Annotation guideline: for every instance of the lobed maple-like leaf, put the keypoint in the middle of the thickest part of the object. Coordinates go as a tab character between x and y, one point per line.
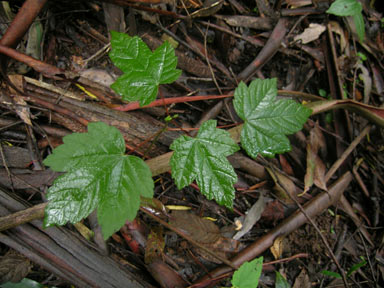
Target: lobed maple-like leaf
203	159
267	120
143	70
98	176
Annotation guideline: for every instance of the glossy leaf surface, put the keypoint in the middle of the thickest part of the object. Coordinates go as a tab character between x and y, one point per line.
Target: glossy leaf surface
98	175
267	120
203	159
143	69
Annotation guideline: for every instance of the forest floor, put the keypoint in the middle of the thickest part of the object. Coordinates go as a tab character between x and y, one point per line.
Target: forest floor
313	213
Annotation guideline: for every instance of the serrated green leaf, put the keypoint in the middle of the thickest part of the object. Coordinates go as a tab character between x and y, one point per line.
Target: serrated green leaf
86	149
129	53
136	86
248	275
203	159
163	63
99	176
345	8
143	70
281	282
267	120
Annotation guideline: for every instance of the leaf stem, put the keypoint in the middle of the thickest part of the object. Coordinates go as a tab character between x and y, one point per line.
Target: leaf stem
166	101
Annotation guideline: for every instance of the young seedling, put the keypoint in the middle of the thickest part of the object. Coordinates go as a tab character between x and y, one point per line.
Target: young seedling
99	176
143	69
351	8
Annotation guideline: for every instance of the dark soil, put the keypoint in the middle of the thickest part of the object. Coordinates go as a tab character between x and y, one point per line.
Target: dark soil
74	32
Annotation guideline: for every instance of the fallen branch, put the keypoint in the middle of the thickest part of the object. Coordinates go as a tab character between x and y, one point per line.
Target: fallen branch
293	222
64	253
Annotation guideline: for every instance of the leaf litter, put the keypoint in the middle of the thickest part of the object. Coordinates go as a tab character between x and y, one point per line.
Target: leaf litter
312	76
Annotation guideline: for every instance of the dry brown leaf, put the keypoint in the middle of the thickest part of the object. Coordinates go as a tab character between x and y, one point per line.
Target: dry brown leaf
310	172
114	17
283	185
277	247
99	76
315	173
319	139
259	23
311	33
319	176
253	215
21	107
377	79
273	212
199	229
336	28
302	281
298	3
367	80
206	233
14	267
154	248
287	168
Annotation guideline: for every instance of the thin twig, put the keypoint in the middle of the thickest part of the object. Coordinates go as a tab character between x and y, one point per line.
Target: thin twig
207	59
346	153
22	216
161	102
341	270
6	166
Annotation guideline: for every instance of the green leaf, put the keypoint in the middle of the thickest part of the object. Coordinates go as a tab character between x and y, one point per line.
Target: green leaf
362	56
345	8
356	267
143	70
267	120
331	274
129	53
360	26
248	275
204	158
99	176
86	149
322	93
281	282
25	283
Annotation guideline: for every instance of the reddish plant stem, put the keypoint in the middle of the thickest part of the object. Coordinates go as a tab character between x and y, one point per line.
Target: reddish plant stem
167	101
39	66
21	23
